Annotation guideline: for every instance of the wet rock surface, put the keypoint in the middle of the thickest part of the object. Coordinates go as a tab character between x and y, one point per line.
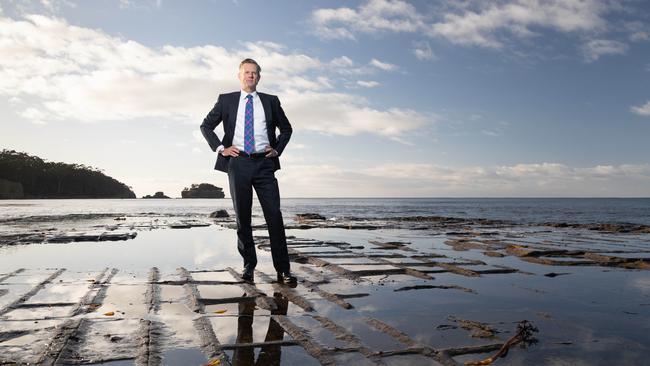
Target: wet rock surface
426	291
90	227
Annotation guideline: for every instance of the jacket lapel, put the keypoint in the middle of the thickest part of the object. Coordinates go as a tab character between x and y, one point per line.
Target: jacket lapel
234	108
266	103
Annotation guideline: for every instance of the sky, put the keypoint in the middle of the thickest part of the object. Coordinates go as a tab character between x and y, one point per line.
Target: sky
387	98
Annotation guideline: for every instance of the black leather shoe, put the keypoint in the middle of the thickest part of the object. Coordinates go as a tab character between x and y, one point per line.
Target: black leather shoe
247	276
287	278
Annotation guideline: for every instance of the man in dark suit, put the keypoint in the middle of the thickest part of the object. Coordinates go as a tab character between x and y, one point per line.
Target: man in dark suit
249	153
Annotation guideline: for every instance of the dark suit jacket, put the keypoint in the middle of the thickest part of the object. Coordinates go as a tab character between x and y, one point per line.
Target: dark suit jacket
226	110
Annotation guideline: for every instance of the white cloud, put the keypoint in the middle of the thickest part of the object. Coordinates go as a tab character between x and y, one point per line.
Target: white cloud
345	66
422	50
140	4
596	48
643	110
408	179
474	23
76	73
342	61
639	36
484	25
367	84
491	133
353	116
382	65
55	6
638	31
34	115
372	16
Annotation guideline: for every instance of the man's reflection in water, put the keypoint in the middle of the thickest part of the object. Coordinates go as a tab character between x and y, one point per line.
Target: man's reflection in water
269	355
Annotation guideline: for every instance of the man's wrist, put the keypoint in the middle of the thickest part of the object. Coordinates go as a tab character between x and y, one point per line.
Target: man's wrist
220	149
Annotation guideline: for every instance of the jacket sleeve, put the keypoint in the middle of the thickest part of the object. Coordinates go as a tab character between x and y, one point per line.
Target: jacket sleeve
285	128
210	122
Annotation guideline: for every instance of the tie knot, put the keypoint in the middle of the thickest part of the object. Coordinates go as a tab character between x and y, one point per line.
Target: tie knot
249	96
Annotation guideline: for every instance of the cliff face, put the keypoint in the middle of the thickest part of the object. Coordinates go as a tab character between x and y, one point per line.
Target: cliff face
27	176
203	190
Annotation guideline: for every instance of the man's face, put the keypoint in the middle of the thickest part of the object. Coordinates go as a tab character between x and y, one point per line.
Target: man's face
248	77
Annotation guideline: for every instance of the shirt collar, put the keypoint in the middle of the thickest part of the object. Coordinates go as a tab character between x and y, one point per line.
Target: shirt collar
244	94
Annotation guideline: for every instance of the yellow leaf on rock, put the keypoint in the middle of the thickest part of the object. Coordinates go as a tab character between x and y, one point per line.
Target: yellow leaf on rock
110	313
220	311
213	362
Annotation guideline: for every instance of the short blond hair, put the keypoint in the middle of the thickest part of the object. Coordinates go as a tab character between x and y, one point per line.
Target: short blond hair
250	61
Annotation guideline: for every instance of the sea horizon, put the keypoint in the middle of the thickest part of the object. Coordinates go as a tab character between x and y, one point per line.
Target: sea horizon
533	210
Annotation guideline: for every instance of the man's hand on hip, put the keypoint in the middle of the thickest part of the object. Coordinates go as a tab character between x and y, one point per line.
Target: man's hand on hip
230	151
271	152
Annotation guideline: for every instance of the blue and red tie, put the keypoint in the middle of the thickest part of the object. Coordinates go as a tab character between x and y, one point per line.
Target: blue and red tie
249	133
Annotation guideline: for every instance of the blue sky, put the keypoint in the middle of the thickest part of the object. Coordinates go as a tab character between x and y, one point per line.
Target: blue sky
387	98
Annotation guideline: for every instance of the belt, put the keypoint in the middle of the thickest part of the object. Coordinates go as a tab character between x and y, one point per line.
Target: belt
253	155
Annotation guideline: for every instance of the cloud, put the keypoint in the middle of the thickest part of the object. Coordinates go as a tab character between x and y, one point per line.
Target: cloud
382	65
34	115
372	16
76	73
642	110
147	4
596	48
345	66
353	116
485	25
638	31
471	23
367	84
491	133
410	179
422	51
639	36
342	61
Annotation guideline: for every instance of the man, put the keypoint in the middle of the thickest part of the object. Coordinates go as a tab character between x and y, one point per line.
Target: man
249	154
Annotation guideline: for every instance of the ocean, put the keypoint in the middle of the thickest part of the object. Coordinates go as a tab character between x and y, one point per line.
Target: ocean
519	210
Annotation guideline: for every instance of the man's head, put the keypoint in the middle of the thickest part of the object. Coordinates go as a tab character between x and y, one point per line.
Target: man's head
249	75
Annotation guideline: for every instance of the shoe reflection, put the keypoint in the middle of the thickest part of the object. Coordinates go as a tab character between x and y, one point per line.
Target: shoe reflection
269	354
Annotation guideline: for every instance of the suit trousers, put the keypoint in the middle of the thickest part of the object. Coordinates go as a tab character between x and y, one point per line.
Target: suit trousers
244	175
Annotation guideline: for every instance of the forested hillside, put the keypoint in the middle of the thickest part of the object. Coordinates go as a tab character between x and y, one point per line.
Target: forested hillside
26	176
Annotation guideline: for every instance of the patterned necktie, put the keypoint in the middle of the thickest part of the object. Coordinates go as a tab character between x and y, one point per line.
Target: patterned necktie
249	133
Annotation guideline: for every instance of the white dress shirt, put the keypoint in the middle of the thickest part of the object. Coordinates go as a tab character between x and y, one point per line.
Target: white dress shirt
259	123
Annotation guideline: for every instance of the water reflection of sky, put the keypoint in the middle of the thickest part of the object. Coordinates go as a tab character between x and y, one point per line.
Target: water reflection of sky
167	249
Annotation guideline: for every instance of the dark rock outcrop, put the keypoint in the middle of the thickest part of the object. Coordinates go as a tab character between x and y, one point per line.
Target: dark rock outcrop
309	216
156	195
219	214
203	190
